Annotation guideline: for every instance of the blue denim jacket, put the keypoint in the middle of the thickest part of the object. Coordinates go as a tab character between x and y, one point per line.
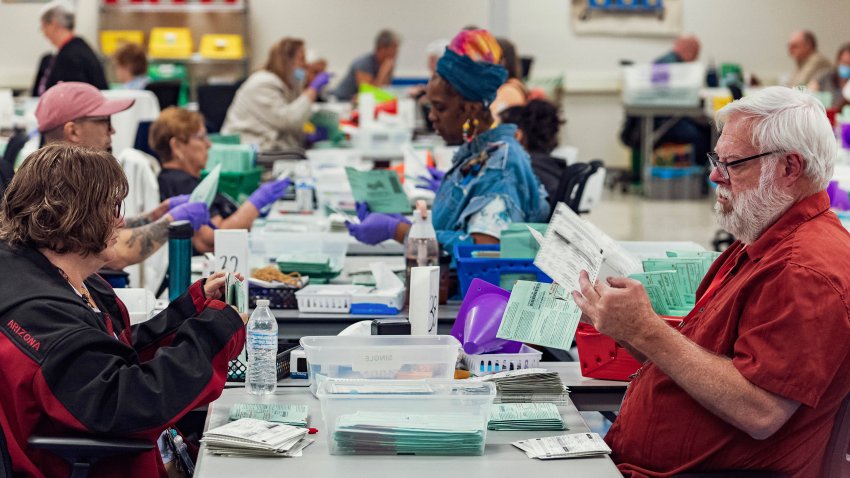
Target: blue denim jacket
506	174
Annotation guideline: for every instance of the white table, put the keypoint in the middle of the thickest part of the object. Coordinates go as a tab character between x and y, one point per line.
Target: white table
500	458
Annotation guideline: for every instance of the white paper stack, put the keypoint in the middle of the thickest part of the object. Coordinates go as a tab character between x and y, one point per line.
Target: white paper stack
531	385
525	416
577	445
252	437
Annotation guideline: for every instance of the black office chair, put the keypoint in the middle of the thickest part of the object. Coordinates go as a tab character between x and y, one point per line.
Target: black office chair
141	141
572	179
213	102
10	155
167	92
80	452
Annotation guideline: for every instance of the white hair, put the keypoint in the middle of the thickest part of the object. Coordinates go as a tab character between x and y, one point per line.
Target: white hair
60	11
791	121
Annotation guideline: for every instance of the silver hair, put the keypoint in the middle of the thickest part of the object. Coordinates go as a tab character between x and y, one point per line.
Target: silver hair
386	38
59	11
792	121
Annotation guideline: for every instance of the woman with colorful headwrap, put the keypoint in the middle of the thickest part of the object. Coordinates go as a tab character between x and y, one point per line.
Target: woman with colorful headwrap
490	183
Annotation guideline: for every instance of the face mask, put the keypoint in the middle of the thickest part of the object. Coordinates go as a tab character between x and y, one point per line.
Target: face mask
299	74
844	71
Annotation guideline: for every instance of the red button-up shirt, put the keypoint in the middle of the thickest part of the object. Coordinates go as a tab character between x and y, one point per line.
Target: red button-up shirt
783	316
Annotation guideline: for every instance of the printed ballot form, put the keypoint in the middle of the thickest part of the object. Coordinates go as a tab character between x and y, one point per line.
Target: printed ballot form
542	314
564	446
380	189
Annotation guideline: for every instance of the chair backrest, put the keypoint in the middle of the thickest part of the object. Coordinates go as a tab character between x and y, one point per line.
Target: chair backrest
141	142
10	155
591	193
167	92
5	459
836	463
572	178
213	103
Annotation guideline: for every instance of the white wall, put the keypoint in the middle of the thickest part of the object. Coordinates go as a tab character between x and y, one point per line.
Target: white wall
750	32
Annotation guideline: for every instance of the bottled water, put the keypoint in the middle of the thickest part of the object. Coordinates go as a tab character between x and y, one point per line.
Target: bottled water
261	378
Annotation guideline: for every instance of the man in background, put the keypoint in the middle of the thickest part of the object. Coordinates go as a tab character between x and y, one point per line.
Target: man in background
74	60
375	68
811	65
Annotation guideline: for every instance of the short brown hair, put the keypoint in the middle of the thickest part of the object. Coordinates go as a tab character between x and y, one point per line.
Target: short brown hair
173	122
281	59
132	56
63	198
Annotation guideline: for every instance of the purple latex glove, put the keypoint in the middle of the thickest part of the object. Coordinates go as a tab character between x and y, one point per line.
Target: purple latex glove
320	82
838	198
432	183
195	212
374	228
177	201
269	192
320	134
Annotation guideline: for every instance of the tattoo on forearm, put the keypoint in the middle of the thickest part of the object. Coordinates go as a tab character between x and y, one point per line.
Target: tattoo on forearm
149	238
136	221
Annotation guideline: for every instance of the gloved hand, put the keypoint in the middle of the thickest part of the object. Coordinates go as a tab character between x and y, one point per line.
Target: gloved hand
320	134
432	183
320	81
374	228
176	201
269	192
196	213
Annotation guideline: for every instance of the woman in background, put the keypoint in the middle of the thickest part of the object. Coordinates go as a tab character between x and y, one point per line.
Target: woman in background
180	140
131	66
272	106
838	78
538	124
490	183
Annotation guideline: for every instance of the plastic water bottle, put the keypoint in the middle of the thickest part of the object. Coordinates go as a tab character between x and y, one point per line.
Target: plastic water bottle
261	378
303	187
422	247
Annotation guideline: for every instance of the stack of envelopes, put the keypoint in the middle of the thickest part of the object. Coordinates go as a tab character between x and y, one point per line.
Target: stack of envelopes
525	416
317	266
532	385
252	437
397	433
295	415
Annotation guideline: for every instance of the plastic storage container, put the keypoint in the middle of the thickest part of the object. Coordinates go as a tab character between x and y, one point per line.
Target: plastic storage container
491	269
328	297
380	357
666	84
461	407
676	183
222	47
486	364
267	245
231	157
238	185
110	40
170	43
603	358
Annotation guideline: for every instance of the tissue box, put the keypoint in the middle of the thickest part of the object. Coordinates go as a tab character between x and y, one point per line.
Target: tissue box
378	302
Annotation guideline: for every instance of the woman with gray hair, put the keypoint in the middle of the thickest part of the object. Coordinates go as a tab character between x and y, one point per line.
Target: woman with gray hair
74	60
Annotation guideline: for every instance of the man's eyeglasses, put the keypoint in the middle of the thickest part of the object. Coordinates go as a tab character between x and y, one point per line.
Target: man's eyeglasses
107	120
715	162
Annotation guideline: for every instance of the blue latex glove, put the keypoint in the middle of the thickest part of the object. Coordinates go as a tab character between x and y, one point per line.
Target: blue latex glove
374	228
432	183
177	201
196	213
320	82
269	192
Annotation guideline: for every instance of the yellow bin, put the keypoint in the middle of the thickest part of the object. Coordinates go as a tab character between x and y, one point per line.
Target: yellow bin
222	47
170	43
110	40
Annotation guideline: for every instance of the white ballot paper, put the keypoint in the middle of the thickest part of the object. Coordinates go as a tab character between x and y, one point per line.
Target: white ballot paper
572	244
576	445
249	436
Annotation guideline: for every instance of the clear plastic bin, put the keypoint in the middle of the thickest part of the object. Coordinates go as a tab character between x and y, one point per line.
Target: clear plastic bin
666	84
458	409
400	357
266	245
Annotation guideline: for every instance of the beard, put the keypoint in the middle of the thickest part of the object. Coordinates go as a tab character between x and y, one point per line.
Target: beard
755	210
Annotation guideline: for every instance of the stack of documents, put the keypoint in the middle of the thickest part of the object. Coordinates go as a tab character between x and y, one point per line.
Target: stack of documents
295	415
396	433
672	282
525	416
564	446
531	385
252	437
317	266
379	188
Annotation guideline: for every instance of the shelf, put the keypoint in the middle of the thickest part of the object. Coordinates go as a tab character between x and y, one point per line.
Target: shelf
171	8
200	61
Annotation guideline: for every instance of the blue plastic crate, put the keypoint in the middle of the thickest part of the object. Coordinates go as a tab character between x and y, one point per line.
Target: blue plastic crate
490	269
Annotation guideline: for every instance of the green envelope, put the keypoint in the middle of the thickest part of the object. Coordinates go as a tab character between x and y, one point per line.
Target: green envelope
234	294
205	191
380	189
517	241
295	415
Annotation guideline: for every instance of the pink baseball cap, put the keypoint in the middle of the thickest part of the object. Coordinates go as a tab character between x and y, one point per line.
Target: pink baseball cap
72	100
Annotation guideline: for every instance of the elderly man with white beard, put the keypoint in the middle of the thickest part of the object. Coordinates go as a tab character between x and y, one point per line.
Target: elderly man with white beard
754	375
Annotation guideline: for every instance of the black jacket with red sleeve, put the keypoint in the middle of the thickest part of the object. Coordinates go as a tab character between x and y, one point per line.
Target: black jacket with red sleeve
67	370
